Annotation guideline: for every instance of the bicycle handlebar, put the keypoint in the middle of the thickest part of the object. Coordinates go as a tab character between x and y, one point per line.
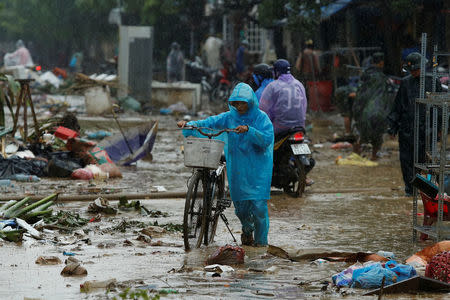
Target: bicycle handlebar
210	135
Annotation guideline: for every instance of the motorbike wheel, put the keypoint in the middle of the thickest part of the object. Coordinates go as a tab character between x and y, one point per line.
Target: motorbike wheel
296	188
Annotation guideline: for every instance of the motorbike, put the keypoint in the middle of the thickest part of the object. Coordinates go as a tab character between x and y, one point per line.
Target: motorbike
292	161
215	83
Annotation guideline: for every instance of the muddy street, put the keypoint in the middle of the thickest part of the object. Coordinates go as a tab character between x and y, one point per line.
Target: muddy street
349	208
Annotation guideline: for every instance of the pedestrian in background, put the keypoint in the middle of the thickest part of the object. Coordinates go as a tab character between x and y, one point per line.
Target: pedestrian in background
401	118
175	64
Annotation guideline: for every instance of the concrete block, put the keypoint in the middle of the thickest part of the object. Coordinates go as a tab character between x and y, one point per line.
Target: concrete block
171	93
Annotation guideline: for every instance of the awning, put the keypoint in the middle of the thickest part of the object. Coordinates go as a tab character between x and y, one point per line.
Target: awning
331	9
326	11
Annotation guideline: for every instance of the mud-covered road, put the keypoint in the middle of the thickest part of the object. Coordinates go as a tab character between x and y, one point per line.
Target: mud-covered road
349	208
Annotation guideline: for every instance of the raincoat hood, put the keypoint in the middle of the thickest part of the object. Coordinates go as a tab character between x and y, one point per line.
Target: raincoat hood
286	78
243	92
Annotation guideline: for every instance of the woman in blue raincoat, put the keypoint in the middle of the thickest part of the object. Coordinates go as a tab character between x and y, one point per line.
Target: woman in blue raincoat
249	156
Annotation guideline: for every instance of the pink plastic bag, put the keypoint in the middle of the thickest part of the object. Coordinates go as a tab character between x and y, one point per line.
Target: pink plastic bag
84	174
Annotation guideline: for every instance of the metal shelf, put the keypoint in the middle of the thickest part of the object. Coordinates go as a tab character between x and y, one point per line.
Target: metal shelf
434	109
432	231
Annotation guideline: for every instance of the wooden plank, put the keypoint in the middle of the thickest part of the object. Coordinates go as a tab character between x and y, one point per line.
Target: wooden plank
414	285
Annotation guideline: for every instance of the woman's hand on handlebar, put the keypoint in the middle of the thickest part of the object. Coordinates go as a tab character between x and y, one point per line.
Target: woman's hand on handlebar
241	128
181	123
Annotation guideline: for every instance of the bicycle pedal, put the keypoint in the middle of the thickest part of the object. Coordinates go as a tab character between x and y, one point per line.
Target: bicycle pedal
224	202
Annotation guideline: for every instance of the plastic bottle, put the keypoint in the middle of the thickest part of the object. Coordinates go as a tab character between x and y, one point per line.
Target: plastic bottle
97	284
25	178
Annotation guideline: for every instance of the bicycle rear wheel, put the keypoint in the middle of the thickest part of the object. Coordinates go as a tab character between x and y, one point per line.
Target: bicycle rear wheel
194	211
212	214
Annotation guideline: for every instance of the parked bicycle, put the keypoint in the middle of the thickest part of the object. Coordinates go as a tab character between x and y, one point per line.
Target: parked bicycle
205	198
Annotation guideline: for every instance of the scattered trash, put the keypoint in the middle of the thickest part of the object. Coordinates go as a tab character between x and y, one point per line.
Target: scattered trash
424	256
160	188
33	232
25	178
318	145
97	284
219	269
153	231
98	135
71	259
386	254
356	160
227	255
130	104
341	145
319	262
271	270
68	253
101	205
65	220
344	278
371	276
65	133
166	292
439	267
83	174
48	260
73	269
61	168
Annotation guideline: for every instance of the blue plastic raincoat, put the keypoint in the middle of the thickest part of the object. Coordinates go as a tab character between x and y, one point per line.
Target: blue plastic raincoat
261	88
249	155
249	158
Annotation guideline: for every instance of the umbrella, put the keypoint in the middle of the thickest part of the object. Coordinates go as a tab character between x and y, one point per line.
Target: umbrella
131	145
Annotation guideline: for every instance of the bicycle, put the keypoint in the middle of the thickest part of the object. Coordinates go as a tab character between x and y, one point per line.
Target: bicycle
205	198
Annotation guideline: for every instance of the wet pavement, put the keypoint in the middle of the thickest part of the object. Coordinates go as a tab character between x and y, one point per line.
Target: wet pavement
349	208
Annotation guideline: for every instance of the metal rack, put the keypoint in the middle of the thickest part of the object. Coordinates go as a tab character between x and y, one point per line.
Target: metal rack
437	162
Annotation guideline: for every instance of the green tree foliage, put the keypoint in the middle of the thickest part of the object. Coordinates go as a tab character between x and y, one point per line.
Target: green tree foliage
57	25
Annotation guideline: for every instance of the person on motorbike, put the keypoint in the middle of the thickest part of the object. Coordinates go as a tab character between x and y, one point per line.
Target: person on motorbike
249	160
284	101
262	76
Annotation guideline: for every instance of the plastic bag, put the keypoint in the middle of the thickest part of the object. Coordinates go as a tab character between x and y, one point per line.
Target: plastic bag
61	168
84	174
344	278
403	271
372	277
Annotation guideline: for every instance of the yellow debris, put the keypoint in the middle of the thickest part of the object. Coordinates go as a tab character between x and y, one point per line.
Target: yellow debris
356	160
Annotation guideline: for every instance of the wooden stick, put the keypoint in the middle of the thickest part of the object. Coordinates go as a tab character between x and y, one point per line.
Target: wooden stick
91	197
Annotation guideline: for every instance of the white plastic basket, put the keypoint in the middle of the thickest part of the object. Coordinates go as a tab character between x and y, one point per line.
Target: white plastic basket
202	153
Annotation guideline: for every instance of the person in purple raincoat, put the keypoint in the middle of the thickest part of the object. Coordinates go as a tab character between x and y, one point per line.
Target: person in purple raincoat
284	100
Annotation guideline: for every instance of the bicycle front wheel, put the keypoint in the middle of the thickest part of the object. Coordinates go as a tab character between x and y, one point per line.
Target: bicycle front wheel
213	212
194	211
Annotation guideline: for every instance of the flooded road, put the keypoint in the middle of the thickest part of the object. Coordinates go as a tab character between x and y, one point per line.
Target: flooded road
349	208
